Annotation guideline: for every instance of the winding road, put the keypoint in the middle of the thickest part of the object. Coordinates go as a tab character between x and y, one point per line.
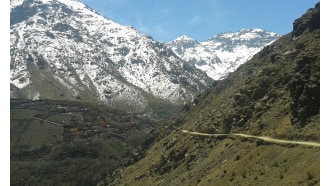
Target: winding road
51	122
264	138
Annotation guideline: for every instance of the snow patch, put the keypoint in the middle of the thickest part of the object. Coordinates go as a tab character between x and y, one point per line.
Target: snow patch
68	86
36	96
15	3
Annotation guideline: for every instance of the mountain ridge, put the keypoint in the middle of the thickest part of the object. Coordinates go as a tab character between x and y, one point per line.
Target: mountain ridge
65	50
224	52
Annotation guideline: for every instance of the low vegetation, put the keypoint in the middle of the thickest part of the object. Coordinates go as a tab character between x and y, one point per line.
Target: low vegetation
275	94
71	143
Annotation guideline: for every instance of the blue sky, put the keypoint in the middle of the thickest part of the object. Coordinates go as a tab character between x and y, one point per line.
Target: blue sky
166	20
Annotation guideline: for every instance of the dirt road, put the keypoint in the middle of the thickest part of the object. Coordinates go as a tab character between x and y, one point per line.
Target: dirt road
264	138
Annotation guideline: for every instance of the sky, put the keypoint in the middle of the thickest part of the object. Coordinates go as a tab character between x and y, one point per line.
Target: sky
165	20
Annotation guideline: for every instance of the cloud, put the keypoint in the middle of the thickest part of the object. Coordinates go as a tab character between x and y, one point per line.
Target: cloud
162	32
195	20
105	8
158	30
141	26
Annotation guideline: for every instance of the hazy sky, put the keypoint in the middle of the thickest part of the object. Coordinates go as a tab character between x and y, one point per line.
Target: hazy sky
166	20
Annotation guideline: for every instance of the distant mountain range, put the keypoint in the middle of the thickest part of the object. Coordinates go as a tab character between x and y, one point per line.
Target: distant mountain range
62	49
224	52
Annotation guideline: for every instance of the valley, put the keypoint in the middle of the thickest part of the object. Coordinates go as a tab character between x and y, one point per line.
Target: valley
57	142
93	102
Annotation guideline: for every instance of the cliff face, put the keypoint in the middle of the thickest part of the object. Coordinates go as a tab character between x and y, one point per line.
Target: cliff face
275	94
310	21
305	86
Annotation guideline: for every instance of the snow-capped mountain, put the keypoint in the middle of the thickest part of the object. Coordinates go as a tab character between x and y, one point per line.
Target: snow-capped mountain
62	49
224	52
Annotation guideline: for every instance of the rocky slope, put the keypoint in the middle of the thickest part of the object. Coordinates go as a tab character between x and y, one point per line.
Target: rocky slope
275	94
224	52
61	49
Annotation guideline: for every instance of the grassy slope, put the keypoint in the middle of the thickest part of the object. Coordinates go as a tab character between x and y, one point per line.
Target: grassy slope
263	97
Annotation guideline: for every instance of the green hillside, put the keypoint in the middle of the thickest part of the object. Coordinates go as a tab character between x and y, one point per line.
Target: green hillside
275	94
71	143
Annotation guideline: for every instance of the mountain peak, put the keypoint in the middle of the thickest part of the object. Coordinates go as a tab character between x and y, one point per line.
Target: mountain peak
184	41
184	38
180	44
251	30
224	52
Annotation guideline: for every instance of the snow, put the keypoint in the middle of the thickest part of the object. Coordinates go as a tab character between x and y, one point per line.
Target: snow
36	96
257	30
225	52
184	38
45	1
18	82
73	4
15	3
248	36
88	52
228	35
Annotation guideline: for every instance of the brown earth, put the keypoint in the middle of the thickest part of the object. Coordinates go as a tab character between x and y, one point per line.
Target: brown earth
275	94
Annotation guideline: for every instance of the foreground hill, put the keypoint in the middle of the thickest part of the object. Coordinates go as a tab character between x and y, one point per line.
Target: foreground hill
275	94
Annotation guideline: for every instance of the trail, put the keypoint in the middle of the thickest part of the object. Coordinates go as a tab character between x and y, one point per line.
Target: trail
264	138
51	122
